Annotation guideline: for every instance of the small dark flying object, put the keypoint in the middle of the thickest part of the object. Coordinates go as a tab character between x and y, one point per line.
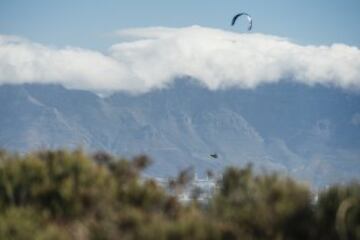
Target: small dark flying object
242	14
214	155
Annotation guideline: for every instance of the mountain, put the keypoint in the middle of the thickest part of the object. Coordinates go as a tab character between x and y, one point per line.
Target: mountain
312	133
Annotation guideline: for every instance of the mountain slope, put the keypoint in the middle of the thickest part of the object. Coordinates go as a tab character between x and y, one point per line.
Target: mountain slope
308	132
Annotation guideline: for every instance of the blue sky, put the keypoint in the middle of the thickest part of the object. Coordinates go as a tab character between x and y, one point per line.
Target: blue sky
89	23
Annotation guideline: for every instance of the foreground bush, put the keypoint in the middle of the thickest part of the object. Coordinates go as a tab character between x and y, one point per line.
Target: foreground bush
71	195
264	207
338	212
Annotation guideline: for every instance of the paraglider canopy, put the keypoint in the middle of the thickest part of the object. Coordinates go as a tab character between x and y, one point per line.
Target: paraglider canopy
242	14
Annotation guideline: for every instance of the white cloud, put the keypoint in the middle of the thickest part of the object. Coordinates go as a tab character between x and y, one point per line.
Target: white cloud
153	57
22	61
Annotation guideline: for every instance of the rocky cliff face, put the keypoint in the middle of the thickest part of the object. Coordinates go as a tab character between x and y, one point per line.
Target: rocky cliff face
308	132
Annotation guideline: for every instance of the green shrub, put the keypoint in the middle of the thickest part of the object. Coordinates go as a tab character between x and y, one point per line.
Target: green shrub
338	212
71	195
263	207
27	224
62	183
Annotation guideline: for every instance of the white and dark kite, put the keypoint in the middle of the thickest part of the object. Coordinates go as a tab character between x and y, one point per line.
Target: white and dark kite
243	14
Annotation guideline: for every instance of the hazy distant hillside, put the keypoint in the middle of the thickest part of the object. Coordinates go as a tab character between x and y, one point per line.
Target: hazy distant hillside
309	132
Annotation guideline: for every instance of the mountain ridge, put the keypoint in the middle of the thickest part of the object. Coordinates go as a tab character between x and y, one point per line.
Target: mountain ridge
286	127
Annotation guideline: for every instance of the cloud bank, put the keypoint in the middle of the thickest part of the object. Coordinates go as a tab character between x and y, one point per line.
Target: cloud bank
150	58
